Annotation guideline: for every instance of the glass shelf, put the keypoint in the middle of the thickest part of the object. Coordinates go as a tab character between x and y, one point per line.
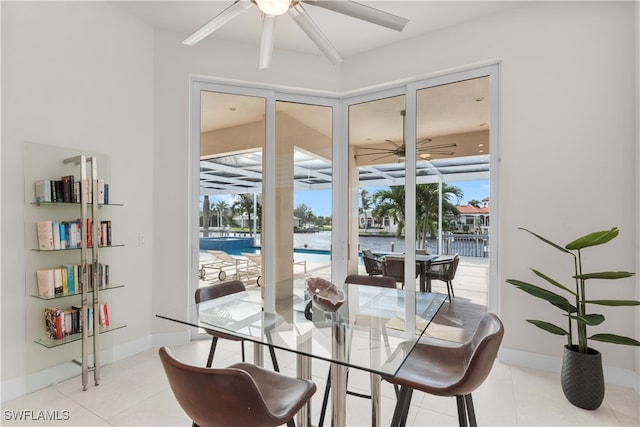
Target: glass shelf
73	204
75	249
106	288
50	343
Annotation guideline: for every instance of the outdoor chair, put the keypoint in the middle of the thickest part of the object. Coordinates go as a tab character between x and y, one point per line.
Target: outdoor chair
394	267
444	271
220	290
372	264
449	371
241	394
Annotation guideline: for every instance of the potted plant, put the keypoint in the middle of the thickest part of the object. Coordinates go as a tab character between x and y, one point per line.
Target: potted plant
581	375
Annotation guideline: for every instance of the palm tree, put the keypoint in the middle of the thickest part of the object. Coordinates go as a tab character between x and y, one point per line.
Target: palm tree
475	203
391	203
365	201
427	208
221	208
243	205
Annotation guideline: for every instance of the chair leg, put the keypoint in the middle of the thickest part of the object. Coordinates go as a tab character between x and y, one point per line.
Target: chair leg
470	411
272	351
462	411
325	399
449	290
401	411
212	350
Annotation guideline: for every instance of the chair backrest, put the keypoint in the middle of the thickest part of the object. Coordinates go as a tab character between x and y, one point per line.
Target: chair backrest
480	352
215	397
255	258
218	290
372	265
222	255
450	270
381	281
393	266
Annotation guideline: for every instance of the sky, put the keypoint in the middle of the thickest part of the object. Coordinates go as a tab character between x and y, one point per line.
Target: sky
320	200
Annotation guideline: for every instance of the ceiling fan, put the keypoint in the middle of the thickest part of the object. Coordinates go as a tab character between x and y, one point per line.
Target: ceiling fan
273	8
423	150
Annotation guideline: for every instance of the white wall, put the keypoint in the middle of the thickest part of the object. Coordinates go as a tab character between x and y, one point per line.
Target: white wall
567	146
77	75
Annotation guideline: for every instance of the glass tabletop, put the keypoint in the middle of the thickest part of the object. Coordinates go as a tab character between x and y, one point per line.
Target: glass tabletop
368	327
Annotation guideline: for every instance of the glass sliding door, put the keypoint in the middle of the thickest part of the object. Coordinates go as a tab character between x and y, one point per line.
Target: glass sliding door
452	161
232	140
303	180
377	149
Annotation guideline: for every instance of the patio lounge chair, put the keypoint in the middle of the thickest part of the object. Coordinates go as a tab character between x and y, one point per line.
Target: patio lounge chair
222	262
254	266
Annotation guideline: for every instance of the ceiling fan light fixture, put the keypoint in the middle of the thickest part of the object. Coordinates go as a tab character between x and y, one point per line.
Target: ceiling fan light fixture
274	7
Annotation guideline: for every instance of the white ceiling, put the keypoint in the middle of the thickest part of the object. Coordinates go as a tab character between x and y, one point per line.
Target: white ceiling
350	36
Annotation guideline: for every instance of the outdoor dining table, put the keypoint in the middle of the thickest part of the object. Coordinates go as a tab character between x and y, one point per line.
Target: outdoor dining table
424	263
366	332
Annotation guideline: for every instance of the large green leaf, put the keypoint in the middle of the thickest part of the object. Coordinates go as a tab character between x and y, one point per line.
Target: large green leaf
552	281
605	275
539	292
614	339
613	302
549	327
593	239
565	306
591	319
548	242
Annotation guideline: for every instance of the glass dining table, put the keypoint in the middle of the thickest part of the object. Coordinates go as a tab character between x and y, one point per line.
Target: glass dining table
367	332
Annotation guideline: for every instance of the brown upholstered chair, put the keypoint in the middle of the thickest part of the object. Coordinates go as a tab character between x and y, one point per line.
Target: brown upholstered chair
380	281
218	290
372	264
240	395
449	371
444	271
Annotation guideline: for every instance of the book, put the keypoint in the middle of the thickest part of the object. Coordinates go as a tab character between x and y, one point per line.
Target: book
53	323
42	190
57	281
101	191
66	182
64	242
45	280
71	279
104	314
106	194
45	235
55	227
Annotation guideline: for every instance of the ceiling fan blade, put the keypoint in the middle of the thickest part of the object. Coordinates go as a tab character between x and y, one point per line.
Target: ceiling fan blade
363	12
303	20
424	141
218	21
266	41
393	143
438	147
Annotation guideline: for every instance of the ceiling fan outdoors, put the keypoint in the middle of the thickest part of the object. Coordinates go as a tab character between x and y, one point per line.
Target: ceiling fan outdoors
423	150
273	8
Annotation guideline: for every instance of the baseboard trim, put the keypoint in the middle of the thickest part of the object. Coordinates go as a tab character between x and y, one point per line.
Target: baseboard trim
612	375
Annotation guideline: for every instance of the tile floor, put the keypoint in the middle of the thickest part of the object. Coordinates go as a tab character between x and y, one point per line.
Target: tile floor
134	391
